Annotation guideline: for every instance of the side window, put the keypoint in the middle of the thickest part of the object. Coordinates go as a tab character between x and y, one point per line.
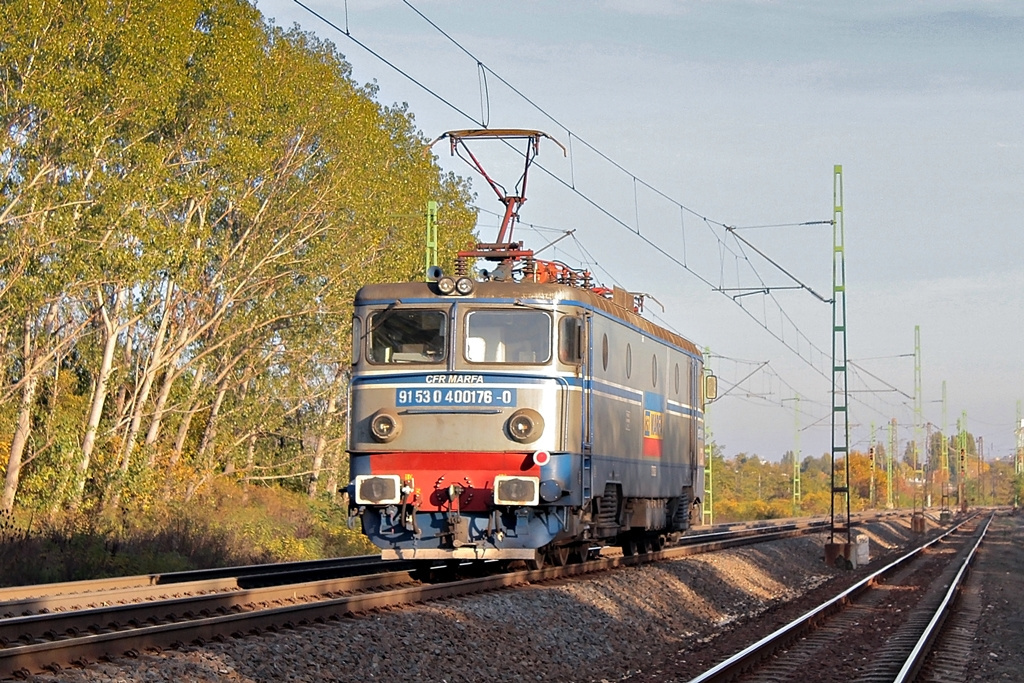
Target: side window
570	333
654	371
604	351
629	361
677	379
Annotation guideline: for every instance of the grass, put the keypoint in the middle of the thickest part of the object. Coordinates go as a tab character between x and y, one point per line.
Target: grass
227	526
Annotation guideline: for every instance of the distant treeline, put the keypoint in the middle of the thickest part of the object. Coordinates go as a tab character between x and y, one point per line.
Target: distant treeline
746	487
189	198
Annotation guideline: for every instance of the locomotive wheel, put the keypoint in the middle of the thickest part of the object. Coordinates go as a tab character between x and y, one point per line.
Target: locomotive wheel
644	544
537	562
629	545
657	542
580	553
559	556
696	515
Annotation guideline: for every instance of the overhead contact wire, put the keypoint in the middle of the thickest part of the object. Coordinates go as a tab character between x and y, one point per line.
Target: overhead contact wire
572	185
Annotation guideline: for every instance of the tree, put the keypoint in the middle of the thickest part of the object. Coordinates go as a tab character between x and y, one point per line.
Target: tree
190	198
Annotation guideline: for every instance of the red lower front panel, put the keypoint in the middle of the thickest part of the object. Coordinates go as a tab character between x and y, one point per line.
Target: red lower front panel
433	473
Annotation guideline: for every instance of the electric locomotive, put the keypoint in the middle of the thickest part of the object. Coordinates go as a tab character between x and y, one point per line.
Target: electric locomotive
521	414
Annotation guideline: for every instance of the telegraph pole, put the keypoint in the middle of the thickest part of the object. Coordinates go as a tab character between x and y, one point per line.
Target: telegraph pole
888	462
796	458
918	402
962	473
871	452
981	460
944	446
1018	461
709	499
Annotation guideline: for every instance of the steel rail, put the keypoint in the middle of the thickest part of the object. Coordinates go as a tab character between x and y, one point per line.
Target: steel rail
749	656
55	625
45	595
25	600
25	659
921	649
22	600
19	600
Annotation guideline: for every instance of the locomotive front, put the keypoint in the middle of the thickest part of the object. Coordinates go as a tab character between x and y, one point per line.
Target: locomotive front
461	439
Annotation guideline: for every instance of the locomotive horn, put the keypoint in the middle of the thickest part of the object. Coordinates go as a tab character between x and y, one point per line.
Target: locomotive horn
435	273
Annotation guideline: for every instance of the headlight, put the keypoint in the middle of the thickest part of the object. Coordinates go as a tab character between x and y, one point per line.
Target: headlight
464	286
516	490
384	426
446	285
377	489
525	425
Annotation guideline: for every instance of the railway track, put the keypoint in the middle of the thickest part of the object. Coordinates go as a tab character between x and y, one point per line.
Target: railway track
218	607
24	600
880	629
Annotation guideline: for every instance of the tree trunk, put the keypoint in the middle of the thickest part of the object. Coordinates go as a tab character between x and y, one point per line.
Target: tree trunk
321	445
210	432
186	419
21	434
335	460
250	459
165	391
156	361
23	425
183	426
318	463
332	476
99	396
122	407
323	440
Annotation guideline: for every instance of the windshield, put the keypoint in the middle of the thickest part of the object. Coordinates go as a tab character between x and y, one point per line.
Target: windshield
508	336
407	336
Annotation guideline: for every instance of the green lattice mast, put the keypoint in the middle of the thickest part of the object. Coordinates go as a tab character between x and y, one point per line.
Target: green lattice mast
840	400
431	255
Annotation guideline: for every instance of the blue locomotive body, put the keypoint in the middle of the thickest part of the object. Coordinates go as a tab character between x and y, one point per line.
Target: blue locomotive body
520	420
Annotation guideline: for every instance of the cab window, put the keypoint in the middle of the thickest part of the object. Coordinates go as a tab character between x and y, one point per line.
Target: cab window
406	336
508	336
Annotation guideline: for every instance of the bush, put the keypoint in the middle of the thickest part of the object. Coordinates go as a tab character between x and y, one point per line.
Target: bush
226	526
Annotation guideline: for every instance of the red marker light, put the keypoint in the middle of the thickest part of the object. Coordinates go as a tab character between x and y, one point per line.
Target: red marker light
541	458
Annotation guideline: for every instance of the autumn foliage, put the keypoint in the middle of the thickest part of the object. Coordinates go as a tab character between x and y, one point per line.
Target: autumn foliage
189	198
749	488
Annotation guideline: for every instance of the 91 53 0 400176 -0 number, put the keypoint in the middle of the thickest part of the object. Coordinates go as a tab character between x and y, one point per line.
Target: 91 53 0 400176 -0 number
455	397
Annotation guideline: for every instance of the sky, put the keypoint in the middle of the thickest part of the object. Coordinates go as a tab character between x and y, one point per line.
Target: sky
682	117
